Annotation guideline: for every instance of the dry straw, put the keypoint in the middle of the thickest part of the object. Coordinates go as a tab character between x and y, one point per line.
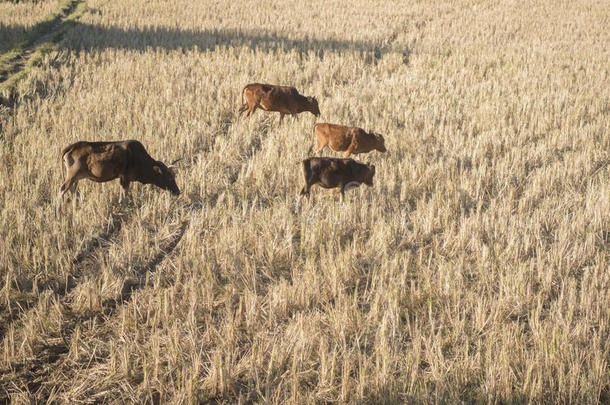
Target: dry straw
476	268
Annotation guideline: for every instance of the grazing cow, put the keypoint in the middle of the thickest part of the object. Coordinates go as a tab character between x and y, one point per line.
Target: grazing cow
349	139
335	172
283	99
105	161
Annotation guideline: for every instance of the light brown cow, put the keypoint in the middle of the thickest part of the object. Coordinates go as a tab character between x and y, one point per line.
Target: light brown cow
106	161
283	99
340	138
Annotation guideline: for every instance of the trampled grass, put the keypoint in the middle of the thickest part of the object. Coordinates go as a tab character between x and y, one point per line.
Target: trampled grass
475	269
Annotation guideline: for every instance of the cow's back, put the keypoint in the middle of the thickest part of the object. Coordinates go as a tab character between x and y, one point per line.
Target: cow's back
77	149
285	90
281	98
135	148
329	131
343	168
262	90
337	137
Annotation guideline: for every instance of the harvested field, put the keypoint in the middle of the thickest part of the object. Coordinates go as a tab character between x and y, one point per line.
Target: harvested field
475	269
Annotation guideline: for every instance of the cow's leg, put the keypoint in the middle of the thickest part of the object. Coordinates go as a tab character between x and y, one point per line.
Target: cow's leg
348	186
304	193
281	117
251	109
73	175
305	190
124	190
352	148
321	145
307	186
60	196
308	177
313	144
73	191
69	184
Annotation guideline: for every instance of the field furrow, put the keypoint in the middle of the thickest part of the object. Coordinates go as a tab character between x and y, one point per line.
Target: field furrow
61	288
33	376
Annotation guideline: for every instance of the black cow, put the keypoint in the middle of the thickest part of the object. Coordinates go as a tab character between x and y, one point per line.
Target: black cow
334	172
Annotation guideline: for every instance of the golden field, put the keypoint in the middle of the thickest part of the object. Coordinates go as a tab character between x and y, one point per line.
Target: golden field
475	270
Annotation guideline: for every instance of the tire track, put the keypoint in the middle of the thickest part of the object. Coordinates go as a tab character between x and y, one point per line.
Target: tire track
61	289
32	375
96	242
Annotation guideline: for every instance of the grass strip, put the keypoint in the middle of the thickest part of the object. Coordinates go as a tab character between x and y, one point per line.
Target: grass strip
9	87
8	58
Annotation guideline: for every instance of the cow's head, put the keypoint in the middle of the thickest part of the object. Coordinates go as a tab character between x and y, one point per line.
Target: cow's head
164	178
313	104
368	177
380	143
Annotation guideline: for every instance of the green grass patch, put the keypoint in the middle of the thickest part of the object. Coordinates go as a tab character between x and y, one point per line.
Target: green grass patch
8	89
7	59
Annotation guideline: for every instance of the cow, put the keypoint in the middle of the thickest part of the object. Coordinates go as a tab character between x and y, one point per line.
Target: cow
340	138
283	99
335	172
106	161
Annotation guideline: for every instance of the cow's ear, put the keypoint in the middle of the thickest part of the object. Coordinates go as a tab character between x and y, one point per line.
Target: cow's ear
157	169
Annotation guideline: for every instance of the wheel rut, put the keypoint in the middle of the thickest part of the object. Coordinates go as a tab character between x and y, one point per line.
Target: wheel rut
61	289
32	375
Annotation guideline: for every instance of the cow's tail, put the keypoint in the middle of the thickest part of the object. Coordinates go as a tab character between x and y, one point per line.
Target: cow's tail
313	139
306	169
61	158
244	105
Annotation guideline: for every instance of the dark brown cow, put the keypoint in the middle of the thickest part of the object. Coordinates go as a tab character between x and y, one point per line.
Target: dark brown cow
349	139
283	99
105	161
334	172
